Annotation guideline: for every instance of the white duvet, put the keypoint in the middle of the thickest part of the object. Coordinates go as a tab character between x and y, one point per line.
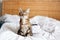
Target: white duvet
47	28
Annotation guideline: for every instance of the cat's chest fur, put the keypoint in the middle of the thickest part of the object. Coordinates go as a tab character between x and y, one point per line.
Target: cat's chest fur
25	27
25	20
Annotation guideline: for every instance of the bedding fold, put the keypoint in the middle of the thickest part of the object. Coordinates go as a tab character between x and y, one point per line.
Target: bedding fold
41	31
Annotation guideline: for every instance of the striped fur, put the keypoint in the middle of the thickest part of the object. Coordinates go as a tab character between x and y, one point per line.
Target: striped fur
25	26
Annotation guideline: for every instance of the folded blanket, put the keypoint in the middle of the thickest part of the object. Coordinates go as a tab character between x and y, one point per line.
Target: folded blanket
7	18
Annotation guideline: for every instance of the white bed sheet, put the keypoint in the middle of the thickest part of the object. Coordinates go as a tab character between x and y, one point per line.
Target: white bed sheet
8	31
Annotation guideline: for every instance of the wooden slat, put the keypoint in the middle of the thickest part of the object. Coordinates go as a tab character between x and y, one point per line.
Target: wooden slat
49	8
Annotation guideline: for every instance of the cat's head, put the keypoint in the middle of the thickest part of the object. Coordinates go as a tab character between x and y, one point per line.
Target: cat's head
24	13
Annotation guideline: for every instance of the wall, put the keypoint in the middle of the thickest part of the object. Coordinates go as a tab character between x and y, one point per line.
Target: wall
49	8
0	7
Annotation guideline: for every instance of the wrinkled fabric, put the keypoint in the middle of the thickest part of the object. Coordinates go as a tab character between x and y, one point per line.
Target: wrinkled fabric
10	18
10	26
46	29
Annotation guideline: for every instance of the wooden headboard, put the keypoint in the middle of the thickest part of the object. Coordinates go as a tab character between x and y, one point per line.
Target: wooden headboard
49	8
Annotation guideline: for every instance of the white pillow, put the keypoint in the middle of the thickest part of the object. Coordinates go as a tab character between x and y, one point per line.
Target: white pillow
37	19
41	20
11	18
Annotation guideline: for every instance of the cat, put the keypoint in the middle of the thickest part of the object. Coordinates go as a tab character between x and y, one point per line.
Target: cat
25	26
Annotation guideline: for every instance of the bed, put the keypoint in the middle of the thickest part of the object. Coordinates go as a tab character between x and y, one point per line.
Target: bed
9	29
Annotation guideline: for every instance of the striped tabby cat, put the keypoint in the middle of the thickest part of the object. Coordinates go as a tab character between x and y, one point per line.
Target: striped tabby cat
25	26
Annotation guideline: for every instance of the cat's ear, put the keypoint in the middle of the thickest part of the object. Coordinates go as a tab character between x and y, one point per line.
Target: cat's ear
20	10
28	10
